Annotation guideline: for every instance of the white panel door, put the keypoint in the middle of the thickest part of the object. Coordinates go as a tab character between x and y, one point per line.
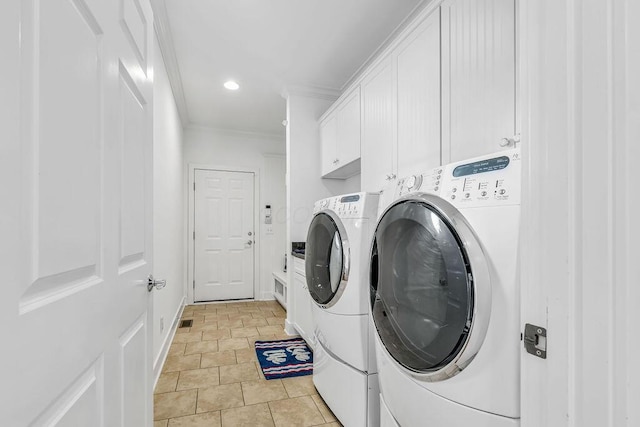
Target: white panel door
378	121
418	69
478	76
75	180
224	235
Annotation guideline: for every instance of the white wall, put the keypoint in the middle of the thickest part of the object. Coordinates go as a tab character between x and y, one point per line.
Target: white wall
580	134
349	185
304	185
168	209
303	163
264	153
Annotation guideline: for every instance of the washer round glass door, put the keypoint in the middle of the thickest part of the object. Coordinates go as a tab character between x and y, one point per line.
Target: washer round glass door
326	259
424	297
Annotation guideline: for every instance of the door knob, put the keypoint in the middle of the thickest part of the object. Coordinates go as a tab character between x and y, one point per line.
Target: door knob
153	283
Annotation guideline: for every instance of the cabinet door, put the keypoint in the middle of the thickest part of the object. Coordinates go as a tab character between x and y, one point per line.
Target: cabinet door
302	300
328	135
418	69
378	136
478	76
348	116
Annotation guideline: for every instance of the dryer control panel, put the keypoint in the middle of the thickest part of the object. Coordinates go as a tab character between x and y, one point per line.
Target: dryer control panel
483	181
429	182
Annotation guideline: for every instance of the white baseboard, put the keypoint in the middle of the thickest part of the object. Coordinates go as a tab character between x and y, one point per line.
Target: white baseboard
164	349
289	328
266	296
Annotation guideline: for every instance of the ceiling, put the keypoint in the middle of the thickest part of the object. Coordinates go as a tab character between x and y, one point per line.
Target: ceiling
267	46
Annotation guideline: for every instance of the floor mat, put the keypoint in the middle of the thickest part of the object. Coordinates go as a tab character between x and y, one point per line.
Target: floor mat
284	358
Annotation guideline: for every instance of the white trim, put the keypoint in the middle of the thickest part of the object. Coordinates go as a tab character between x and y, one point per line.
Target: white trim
167	48
275	137
311	91
256	223
289	328
164	349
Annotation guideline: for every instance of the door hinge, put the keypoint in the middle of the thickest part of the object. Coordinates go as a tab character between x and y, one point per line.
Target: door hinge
194	235
194	186
535	340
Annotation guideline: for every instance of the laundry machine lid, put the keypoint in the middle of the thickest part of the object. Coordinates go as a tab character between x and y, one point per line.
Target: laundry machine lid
326	259
429	287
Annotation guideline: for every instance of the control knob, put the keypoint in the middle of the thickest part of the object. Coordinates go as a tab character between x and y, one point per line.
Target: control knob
414	182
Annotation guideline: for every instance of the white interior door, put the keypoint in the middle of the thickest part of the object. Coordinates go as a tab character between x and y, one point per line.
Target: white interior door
224	235
76	180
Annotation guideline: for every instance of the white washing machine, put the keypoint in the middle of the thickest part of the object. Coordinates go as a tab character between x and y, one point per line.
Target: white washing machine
337	262
445	296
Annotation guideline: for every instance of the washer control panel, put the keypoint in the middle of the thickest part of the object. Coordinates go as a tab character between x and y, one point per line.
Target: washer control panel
484	181
349	205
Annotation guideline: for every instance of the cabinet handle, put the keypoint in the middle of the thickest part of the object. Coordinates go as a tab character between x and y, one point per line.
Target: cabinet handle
392	176
510	142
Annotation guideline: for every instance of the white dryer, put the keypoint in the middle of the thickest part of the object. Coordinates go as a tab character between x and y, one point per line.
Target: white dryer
336	264
445	296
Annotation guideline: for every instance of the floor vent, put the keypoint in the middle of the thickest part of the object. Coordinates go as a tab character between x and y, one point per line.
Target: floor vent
186	323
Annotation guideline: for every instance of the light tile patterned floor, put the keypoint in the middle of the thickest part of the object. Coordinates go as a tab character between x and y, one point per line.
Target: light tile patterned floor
212	377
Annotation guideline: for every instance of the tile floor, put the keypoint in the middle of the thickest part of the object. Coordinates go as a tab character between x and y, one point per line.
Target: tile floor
212	377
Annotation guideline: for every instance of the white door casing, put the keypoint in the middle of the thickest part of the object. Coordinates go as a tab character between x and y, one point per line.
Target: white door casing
224	235
580	133
76	214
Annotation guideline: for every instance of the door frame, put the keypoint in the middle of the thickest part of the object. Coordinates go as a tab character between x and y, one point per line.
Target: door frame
191	179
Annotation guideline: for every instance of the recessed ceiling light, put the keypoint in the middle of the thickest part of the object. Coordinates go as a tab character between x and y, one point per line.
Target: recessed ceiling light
231	85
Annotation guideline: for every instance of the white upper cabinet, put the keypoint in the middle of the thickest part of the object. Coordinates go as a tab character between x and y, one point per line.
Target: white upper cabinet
340	138
478	77
378	127
417	61
401	109
328	141
348	116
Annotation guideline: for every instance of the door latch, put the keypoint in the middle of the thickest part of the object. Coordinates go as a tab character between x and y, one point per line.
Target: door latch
535	340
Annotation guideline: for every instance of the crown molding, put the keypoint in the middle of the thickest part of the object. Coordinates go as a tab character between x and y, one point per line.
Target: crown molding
271	136
311	91
165	41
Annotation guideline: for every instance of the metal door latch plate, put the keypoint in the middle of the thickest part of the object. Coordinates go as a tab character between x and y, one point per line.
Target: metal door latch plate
535	340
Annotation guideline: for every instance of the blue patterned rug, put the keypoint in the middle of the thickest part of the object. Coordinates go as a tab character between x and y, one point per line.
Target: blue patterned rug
284	358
